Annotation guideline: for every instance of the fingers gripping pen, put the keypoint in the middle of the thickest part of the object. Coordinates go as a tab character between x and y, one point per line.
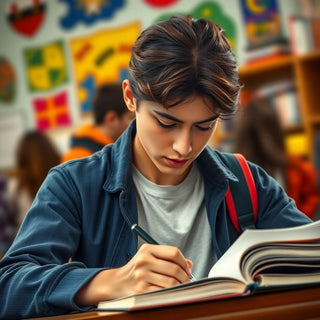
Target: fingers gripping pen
147	238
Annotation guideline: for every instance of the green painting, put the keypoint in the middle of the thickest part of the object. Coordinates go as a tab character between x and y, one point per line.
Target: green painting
213	12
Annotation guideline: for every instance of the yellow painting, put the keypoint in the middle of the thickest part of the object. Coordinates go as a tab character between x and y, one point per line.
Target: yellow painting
46	66
100	58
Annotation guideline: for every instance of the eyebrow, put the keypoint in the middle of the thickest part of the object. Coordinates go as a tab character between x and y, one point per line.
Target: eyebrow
168	116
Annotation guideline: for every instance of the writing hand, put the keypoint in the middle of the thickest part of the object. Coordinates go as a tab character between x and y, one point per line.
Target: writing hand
153	267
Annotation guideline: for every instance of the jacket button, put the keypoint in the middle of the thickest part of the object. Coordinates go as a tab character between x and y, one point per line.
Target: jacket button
128	256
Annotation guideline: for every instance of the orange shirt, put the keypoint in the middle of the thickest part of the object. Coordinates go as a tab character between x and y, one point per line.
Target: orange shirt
89	132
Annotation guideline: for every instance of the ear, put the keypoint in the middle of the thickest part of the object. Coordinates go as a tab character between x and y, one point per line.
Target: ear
128	96
110	117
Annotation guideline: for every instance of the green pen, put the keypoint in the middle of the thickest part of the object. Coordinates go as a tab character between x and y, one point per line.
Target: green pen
140	232
147	238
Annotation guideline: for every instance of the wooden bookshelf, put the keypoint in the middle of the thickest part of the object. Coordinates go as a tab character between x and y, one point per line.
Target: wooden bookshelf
304	72
308	83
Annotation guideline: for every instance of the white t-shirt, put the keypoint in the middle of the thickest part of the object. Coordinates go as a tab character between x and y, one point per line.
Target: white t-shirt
176	215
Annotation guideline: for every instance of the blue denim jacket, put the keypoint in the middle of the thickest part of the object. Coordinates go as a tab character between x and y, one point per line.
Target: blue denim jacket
85	209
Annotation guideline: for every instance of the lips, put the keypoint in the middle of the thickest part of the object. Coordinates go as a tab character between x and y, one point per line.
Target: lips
176	163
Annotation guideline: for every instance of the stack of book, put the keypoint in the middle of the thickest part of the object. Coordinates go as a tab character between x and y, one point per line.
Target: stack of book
267	51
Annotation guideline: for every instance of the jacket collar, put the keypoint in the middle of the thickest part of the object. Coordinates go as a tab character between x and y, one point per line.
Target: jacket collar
214	171
120	177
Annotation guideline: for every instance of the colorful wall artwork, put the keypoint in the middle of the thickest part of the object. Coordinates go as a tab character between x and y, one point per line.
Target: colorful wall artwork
7	81
46	66
160	3
26	17
89	11
212	11
52	111
100	58
262	21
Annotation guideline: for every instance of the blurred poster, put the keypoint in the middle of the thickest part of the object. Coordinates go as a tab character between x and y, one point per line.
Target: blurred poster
11	129
101	57
52	111
7	81
46	66
27	16
212	11
89	11
262	21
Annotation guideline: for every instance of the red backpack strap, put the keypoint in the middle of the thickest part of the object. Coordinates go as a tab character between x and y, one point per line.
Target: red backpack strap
250	183
241	197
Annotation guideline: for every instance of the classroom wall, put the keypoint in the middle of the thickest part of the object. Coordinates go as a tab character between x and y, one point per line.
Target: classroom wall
64	38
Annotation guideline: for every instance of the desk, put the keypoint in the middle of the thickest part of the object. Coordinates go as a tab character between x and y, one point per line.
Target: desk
294	304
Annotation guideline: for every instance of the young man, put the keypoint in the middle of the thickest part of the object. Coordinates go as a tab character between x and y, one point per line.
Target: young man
160	174
111	117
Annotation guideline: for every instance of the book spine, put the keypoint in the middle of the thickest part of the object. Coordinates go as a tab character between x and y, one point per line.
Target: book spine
301	34
267	51
315	27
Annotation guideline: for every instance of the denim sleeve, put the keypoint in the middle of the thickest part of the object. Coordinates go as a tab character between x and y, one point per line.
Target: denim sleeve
36	277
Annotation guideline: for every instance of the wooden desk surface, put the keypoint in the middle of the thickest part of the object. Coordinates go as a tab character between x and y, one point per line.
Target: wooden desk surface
293	304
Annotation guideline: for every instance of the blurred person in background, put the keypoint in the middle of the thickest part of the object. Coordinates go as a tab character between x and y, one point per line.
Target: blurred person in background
260	138
6	227
111	118
35	156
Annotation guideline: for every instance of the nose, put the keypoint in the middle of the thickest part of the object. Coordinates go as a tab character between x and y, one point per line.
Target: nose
182	143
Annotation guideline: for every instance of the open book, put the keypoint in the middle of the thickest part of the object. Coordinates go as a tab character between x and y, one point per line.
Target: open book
268	259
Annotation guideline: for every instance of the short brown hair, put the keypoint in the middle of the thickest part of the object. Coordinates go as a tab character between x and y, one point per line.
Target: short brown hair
180	57
108	97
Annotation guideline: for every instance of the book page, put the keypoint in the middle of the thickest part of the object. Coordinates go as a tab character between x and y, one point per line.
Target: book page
197	291
229	263
263	259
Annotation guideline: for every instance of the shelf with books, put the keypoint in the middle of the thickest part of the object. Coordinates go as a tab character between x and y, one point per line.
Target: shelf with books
307	68
303	71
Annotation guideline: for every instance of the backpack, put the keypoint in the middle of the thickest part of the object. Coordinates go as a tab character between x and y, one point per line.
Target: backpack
87	143
241	197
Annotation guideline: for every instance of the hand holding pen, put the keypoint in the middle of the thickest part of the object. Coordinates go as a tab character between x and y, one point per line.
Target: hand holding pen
153	267
147	238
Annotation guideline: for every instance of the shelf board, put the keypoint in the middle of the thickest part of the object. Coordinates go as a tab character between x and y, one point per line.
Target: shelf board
314	119
275	63
309	56
266	66
293	128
